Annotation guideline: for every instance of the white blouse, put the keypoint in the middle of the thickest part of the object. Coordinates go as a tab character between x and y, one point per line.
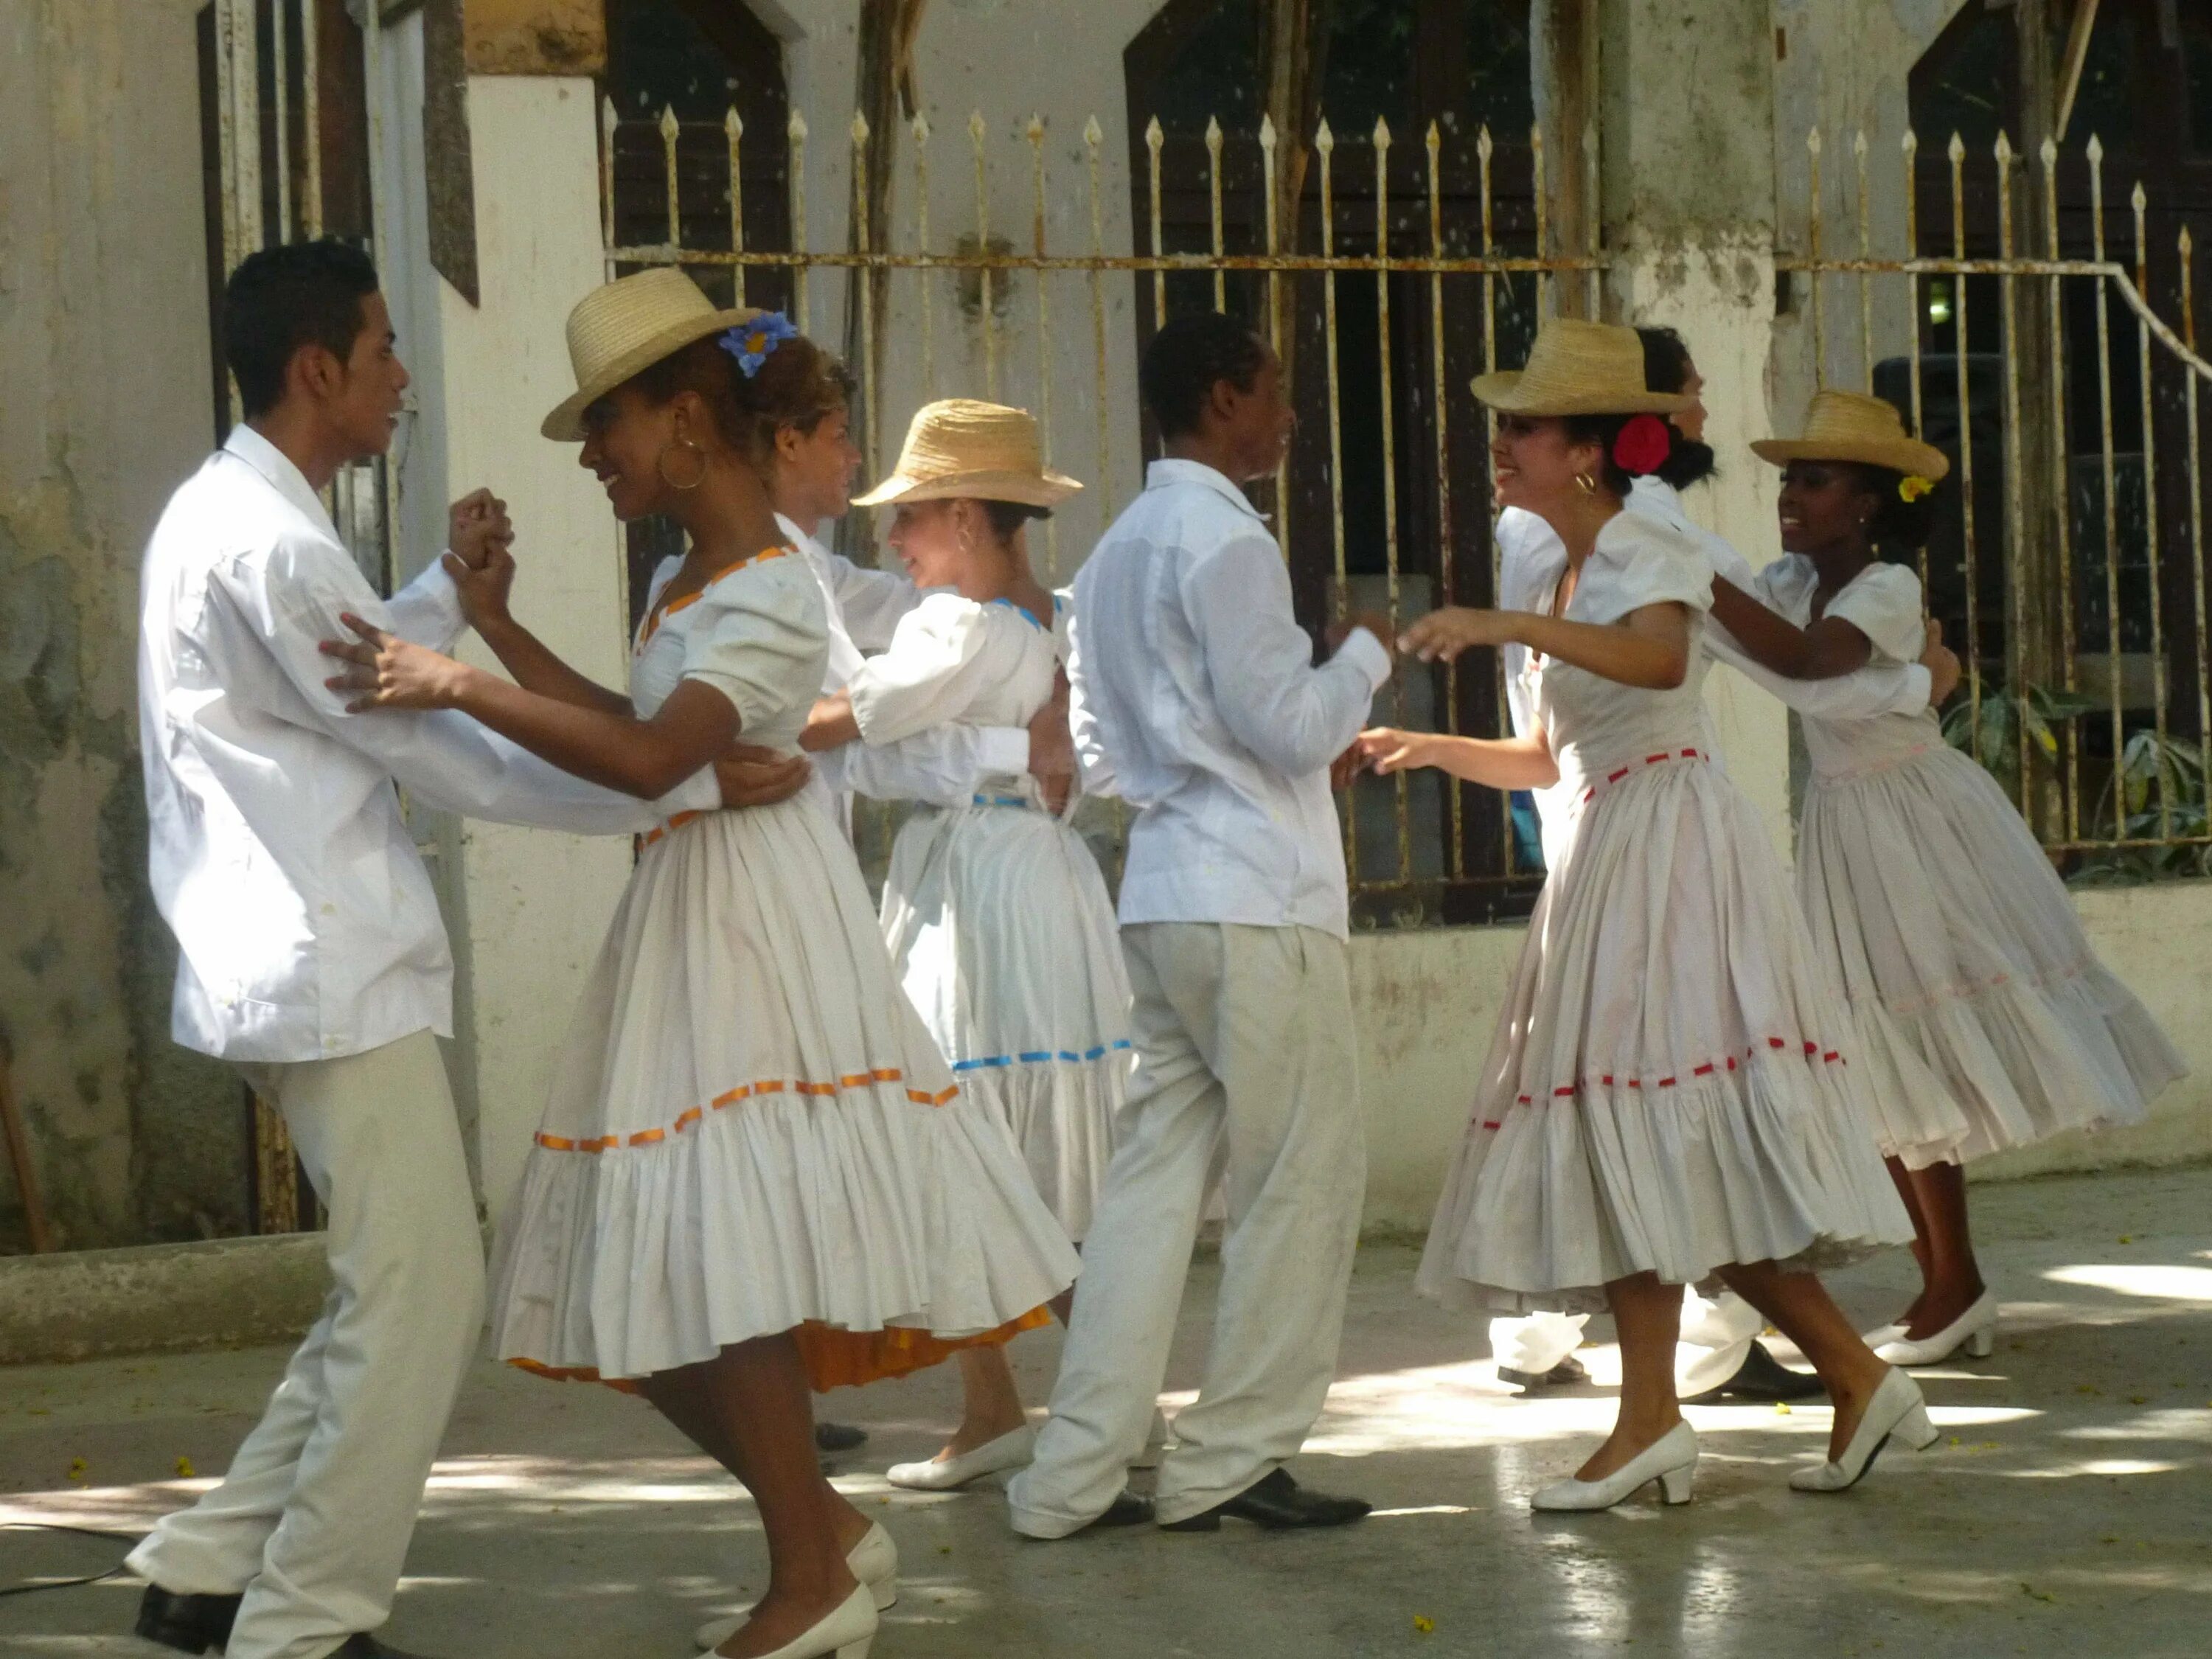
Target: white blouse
1882	602
953	661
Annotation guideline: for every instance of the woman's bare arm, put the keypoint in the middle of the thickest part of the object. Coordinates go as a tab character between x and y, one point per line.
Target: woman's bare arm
1829	648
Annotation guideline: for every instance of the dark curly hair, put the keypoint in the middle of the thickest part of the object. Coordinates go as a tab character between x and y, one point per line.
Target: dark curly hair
1188	358
1667	368
1896	522
799	384
284	297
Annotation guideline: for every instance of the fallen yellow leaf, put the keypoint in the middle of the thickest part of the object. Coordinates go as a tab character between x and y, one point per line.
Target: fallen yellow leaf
183	1468
1423	1624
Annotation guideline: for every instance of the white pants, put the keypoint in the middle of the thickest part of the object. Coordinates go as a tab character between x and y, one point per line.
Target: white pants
1716	1336
313	1520
1245	1041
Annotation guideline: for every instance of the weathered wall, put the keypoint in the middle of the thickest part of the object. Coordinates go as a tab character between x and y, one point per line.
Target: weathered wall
103	331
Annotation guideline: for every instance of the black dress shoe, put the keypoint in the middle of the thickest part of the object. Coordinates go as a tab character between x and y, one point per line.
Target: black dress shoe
362	1645
838	1437
1278	1504
190	1624
1762	1378
1564	1375
1127	1509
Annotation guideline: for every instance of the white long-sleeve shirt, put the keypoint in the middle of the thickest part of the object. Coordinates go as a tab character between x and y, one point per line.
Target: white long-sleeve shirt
306	926
1193	690
1531	561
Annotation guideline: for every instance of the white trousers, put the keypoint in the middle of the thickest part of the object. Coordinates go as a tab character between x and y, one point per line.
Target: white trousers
1717	1335
313	1520
1245	1065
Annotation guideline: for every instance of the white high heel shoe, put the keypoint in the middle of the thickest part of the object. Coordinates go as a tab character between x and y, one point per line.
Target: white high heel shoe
1671	1460
1974	1330
1008	1451
873	1561
1896	1409
848	1632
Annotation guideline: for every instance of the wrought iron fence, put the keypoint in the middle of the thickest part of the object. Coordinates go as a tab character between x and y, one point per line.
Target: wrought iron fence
1458	269
2084	636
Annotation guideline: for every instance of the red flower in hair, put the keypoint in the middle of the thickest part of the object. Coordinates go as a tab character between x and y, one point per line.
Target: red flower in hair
1642	445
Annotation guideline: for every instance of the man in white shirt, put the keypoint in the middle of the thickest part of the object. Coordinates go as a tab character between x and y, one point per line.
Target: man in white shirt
311	955
1195	692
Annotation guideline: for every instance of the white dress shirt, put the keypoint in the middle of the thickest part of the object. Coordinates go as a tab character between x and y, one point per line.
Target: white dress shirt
1531	561
943	766
1195	697
306	926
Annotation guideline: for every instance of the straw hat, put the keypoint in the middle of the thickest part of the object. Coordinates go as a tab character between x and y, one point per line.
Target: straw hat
959	448
1579	368
630	325
1845	426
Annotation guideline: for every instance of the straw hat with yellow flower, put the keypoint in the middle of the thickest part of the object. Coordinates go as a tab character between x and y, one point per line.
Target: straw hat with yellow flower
1848	426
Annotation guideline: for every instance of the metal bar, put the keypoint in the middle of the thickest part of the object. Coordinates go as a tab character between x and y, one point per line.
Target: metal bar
1035	133
2015	515
668	132
2062	471
1958	158
1483	150
1912	149
1214	187
1593	222
921	244
226	123
794	133
280	61
1412	264
1402	800
1543	242
863	236
2096	154
1092	137
245	150
607	123
976	130
1813	246
2185	244
1446	589
733	132
1153	139
1940	266
2140	201
1272	215
311	122
1866	251
1325	147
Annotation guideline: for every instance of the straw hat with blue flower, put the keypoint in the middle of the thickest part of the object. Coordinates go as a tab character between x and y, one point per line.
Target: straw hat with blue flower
632	322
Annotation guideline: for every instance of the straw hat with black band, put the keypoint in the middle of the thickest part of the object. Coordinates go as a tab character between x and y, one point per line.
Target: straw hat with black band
1848	426
629	325
961	449
1577	367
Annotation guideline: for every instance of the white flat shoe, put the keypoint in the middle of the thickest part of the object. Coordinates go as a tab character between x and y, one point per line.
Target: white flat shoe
873	1561
1671	1460
1896	1409
848	1632
1008	1451
1155	1443
1974	1330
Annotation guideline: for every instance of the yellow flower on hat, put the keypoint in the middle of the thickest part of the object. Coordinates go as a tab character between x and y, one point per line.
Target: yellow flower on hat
1912	486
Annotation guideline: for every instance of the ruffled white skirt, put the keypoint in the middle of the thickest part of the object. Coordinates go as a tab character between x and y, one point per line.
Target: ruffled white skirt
1984	1019
750	1132
1001	931
1669	1091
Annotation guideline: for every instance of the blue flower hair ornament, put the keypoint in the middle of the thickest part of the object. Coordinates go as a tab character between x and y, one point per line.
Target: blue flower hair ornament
752	344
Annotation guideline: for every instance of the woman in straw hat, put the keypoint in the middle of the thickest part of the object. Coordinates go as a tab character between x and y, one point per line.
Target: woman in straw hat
996	914
755	1173
1664	1103
1983	1018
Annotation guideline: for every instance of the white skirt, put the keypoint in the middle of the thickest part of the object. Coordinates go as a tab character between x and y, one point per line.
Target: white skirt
1669	1089
1984	1019
1001	931
751	1131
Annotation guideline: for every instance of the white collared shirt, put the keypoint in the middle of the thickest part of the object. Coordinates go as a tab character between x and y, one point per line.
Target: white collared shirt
943	766
1196	698
1531	561
306	926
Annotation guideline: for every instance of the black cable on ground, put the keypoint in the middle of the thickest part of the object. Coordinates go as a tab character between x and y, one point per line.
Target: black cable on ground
30	1587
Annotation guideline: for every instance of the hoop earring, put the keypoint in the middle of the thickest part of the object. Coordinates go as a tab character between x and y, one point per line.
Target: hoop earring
1586	483
660	465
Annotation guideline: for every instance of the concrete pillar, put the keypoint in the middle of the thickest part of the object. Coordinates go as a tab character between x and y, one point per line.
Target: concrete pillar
535	905
1687	181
